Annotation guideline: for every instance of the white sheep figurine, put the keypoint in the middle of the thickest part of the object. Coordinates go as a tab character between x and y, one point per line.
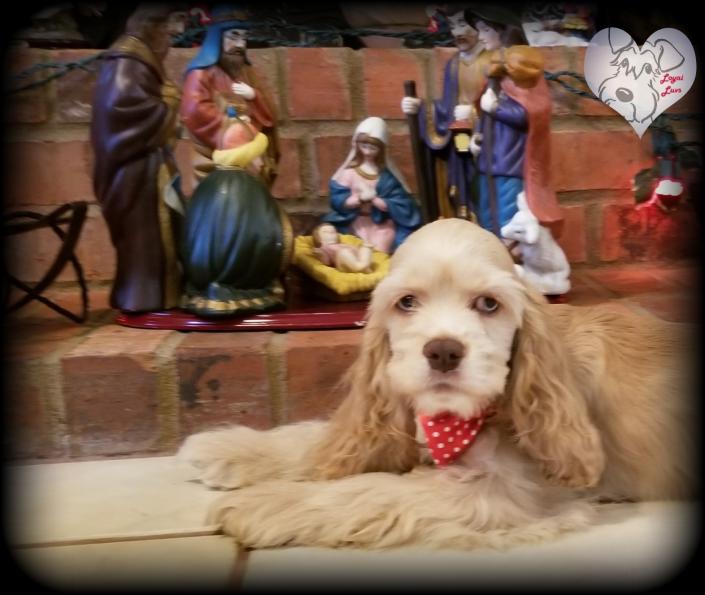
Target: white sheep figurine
544	263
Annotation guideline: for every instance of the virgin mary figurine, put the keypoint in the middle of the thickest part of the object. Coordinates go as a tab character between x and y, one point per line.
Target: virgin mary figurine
368	196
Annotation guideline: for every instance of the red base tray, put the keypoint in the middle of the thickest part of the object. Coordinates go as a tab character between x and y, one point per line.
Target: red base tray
316	317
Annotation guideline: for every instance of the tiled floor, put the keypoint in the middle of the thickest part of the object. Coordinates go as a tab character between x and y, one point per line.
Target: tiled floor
138	523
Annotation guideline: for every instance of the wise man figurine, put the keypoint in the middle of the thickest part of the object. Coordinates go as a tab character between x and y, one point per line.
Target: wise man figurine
220	80
511	143
445	125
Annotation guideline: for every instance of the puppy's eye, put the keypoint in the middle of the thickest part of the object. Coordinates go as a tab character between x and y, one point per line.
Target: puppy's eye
407	303
624	63
486	304
648	68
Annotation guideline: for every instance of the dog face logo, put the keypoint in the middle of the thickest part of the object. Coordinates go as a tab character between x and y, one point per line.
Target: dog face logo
639	82
632	89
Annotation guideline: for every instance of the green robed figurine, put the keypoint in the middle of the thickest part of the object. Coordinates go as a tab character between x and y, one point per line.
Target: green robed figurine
237	240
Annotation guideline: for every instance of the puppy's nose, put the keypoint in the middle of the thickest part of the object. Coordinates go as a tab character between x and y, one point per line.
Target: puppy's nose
444	354
624	94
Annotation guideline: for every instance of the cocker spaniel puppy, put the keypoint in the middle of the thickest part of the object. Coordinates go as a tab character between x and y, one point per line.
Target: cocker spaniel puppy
477	414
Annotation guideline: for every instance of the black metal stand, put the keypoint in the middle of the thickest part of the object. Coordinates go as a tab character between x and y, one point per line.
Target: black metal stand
73	214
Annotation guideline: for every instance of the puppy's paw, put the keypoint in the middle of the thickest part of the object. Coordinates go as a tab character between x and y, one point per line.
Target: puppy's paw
269	514
580	473
217	458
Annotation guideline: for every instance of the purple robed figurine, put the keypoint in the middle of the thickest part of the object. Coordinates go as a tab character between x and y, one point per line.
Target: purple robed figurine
444	124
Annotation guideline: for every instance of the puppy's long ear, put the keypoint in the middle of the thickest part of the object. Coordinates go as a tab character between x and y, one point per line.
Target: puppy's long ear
372	430
545	404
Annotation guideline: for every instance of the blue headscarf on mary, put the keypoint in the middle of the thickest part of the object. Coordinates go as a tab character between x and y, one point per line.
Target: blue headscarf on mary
224	18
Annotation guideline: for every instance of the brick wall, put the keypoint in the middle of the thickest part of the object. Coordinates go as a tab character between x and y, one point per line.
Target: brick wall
91	391
321	94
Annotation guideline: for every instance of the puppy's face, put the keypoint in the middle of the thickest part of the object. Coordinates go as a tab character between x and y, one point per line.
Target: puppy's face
451	308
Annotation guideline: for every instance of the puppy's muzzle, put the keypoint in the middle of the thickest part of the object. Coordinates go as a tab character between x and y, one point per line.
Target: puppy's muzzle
444	355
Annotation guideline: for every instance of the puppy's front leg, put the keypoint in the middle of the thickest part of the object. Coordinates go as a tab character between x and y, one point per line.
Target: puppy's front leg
382	510
238	456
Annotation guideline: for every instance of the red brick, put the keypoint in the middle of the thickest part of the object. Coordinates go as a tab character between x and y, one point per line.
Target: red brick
400	152
264	62
330	151
34	340
562	100
560	59
318	84
28	382
288	182
315	363
591	106
384	74
49	173
29	255
597	159
95	250
74	90
648	234
223	378
111	390
30	106
28	432
609	236
572	238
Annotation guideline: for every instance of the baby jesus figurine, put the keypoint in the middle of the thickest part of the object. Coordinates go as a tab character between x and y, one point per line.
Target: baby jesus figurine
345	257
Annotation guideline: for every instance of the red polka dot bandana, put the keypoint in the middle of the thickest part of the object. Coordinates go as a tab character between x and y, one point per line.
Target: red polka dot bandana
449	436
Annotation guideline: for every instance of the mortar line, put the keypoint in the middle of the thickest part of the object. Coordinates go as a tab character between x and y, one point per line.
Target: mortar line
277	374
168	398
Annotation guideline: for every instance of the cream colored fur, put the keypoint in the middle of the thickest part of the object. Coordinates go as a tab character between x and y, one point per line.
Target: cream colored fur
591	402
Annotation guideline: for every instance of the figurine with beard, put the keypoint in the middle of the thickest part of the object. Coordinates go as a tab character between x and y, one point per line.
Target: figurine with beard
221	77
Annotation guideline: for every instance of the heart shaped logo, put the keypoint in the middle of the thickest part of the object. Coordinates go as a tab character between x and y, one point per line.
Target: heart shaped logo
639	83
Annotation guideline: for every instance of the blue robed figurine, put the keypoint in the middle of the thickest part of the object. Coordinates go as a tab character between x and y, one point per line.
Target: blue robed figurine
368	196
